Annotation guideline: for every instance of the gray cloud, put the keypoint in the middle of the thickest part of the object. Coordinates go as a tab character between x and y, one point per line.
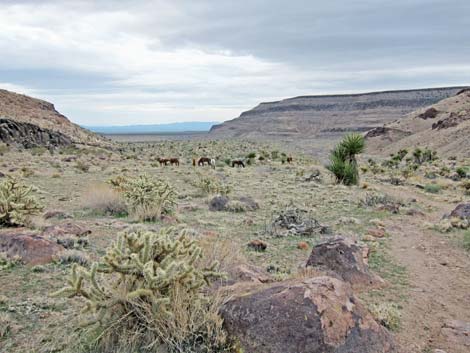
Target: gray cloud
111	62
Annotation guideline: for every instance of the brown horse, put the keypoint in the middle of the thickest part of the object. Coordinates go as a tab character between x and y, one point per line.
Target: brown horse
163	161
175	161
238	163
203	160
290	160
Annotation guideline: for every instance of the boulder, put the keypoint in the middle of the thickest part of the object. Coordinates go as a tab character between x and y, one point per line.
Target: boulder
315	315
30	247
343	259
249	273
218	203
462	211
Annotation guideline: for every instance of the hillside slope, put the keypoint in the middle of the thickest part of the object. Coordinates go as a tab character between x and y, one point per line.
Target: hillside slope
444	127
307	117
25	110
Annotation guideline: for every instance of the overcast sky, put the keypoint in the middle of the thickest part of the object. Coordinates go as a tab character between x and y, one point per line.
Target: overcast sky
141	62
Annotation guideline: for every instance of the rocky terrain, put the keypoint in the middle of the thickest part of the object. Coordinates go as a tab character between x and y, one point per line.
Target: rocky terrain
443	127
272	256
311	266
34	122
310	117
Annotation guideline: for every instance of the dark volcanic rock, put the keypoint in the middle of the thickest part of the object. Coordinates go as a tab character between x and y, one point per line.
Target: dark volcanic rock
343	259
430	113
451	121
30	247
462	211
29	135
316	315
383	131
218	203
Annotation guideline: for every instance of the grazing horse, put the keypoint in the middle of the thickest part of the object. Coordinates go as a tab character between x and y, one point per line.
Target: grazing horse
175	161
290	160
238	163
163	161
203	160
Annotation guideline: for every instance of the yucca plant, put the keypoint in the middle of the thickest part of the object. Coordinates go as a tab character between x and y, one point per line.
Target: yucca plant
17	203
343	163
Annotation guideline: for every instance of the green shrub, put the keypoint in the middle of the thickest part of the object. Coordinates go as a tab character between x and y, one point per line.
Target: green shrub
343	162
466	240
387	315
461	172
421	156
432	188
7	263
148	290
17	203
251	155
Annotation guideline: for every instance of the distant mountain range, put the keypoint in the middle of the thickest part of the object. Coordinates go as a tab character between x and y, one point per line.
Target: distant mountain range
154	128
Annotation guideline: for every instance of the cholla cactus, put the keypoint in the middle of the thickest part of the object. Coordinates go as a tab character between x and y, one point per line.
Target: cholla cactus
16	203
209	185
139	278
146	198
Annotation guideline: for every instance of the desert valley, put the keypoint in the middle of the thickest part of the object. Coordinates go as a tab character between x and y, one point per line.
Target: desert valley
234	176
380	266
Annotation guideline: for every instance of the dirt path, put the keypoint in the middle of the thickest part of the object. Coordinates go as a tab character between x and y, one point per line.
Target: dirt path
439	278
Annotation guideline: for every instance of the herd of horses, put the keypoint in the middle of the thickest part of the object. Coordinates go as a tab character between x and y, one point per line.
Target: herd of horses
205	161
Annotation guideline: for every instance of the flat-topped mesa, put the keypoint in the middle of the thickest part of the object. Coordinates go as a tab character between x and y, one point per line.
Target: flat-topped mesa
24	116
311	116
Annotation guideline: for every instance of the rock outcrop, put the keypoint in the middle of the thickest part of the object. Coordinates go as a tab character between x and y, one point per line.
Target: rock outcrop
316	315
37	122
343	259
443	127
29	135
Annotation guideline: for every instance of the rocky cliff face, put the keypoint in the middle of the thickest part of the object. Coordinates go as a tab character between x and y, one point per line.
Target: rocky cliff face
24	117
30	135
312	116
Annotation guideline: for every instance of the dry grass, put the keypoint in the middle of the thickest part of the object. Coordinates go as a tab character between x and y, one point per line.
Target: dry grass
104	200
